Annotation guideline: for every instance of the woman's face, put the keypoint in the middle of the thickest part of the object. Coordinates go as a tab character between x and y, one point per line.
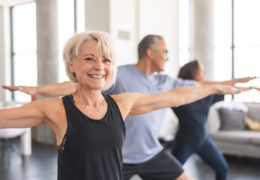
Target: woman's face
92	68
200	75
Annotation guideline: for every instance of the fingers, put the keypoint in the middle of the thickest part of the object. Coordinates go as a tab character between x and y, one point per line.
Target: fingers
13	88
233	90
247	88
236	91
244	80
10	88
248	79
227	89
4	87
244	88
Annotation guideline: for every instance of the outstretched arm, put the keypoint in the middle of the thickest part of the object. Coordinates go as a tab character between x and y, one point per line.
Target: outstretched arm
231	82
133	103
58	89
31	114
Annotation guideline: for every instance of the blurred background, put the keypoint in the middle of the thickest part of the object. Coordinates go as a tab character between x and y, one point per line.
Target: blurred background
222	34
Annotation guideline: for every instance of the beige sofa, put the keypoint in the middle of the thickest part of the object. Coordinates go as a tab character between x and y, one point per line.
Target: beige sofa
240	142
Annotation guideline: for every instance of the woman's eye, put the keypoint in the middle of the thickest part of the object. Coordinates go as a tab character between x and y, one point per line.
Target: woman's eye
89	59
107	60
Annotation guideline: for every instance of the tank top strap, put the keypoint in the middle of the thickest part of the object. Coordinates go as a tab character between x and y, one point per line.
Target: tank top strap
68	104
111	102
68	101
115	110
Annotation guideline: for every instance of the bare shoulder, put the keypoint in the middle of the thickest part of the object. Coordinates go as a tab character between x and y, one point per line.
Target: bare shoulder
49	102
55	112
125	98
52	108
125	102
55	115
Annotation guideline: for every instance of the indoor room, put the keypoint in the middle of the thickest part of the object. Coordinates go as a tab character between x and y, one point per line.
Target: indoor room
214	133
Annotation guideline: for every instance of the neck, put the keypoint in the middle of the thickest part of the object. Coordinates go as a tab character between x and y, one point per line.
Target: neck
145	66
88	97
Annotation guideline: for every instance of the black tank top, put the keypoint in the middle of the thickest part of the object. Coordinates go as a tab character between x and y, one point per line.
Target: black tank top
91	149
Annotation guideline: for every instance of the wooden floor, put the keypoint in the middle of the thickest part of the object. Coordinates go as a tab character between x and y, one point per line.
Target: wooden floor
239	169
42	165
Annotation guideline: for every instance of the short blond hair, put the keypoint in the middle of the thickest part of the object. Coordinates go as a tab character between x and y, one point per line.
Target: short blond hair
73	47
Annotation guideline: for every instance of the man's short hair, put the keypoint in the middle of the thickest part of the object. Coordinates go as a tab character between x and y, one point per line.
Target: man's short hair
148	42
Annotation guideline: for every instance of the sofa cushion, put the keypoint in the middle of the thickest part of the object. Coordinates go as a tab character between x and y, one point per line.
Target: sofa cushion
254	111
213	124
252	124
243	137
256	141
232	119
231	105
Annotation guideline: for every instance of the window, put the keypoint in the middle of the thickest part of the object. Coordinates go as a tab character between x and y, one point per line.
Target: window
71	20
223	39
247	45
184	32
237	43
23	48
23	40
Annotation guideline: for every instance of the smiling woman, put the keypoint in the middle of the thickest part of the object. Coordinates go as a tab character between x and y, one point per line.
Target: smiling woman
89	125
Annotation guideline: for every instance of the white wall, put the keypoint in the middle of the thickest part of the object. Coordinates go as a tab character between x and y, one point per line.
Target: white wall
129	21
161	17
123	28
118	18
203	35
97	15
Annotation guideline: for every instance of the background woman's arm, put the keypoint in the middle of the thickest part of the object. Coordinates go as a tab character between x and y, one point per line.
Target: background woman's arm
228	82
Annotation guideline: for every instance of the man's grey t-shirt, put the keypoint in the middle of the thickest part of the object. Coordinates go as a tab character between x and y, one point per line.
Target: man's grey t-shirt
142	131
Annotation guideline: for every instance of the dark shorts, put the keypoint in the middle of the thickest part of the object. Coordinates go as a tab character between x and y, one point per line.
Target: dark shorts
162	167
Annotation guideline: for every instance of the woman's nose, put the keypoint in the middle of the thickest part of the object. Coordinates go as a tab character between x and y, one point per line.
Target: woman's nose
99	64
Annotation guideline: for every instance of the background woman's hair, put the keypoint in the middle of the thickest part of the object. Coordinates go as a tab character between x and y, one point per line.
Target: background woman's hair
189	70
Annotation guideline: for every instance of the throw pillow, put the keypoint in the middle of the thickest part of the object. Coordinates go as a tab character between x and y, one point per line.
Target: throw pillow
251	124
253	112
231	119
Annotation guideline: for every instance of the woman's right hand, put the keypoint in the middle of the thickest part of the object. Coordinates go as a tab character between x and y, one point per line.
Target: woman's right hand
31	90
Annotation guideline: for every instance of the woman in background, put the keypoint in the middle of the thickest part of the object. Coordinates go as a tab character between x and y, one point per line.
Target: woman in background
192	136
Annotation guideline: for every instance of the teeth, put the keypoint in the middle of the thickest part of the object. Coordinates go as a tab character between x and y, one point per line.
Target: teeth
96	76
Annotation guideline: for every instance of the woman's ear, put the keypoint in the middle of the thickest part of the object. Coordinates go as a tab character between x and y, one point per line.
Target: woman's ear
70	64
